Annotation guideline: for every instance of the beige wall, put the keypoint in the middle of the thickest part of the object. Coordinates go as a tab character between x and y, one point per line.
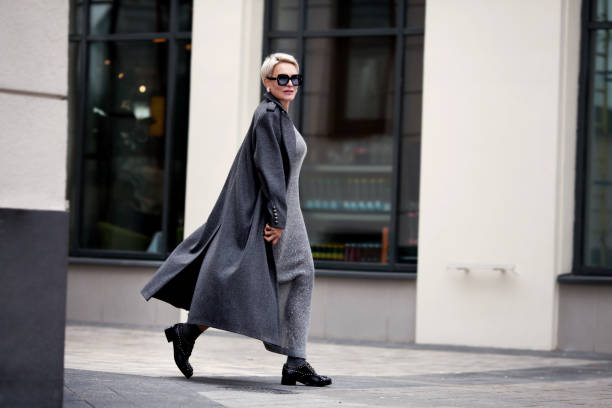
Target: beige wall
33	105
111	294
363	309
354	309
500	91
585	318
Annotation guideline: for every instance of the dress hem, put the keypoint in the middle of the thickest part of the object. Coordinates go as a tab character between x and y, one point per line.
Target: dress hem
274	348
229	329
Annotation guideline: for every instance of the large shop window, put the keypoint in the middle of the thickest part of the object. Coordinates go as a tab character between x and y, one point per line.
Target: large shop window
593	238
360	113
128	107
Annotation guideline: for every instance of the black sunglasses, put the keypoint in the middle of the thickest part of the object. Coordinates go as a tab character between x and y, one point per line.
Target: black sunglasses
283	79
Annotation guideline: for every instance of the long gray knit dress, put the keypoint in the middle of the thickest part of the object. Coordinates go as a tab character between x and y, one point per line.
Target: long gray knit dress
294	268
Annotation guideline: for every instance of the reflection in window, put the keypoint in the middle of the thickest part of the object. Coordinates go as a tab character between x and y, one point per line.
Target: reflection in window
124	149
331	14
346	181
598	182
178	168
284	15
410	151
602	10
415	13
128	139
74	79
185	15
76	17
288	45
128	16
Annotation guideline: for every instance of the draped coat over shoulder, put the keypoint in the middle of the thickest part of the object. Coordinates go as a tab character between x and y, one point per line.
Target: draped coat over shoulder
224	271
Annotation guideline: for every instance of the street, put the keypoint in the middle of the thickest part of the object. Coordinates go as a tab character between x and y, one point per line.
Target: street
108	366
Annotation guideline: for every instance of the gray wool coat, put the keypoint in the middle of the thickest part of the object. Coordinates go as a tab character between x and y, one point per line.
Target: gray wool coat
229	282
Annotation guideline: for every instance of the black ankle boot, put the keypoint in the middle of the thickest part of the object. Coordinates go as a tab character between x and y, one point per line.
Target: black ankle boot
304	374
183	336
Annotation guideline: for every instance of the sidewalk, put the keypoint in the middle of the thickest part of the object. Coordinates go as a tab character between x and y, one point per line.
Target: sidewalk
126	367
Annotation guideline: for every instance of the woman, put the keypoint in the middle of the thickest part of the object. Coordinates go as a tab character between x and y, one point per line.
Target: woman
249	269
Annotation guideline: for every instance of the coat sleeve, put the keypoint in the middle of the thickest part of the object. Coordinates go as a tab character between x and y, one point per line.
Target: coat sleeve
268	161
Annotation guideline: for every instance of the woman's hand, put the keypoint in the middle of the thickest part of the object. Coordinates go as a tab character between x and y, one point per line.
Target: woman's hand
272	234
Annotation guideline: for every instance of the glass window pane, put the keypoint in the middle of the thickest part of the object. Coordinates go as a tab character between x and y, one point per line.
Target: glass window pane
602	10
185	15
74	89
128	16
598	182
284	15
330	14
124	146
415	13
288	45
76	16
345	185
179	144
410	151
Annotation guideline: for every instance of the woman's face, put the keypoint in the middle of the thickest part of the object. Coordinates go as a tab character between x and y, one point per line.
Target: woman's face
284	94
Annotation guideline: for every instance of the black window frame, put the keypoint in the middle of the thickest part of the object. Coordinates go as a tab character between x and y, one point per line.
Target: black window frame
588	29
83	39
342	268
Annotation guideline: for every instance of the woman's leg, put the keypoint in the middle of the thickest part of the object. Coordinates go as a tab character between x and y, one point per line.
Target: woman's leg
295	315
295	361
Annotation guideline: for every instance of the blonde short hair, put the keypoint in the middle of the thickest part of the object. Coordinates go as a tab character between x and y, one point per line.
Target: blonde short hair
271	60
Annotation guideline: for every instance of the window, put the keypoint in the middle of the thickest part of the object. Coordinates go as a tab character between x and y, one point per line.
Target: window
128	107
360	114
593	227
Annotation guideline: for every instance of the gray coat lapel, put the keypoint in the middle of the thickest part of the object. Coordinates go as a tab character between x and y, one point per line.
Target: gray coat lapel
287	131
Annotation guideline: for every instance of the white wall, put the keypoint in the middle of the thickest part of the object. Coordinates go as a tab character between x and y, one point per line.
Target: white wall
499	107
225	81
33	106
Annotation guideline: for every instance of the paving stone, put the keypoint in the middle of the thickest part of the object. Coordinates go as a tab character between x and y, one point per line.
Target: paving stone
109	366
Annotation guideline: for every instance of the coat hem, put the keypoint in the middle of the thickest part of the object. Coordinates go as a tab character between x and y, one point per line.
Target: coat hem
149	290
146	295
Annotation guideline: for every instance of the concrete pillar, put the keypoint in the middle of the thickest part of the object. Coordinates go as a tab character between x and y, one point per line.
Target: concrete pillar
33	213
499	123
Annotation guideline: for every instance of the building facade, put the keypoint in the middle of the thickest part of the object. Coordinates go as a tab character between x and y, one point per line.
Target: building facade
457	184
